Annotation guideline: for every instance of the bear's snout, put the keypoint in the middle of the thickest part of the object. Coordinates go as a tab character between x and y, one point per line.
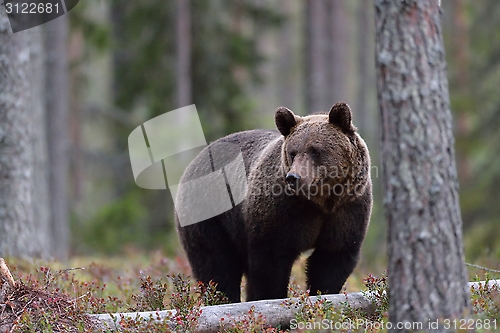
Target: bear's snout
292	180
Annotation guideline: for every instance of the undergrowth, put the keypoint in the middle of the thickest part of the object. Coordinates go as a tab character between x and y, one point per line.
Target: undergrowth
48	300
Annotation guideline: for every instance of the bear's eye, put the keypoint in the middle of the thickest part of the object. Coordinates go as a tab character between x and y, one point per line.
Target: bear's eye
292	156
315	152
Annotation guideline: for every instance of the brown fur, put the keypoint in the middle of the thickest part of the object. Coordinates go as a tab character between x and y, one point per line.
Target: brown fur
263	236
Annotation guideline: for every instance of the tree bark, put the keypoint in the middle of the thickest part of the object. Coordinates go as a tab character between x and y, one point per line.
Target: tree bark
18	229
57	106
285	67
37	111
364	111
326	54
427	274
316	61
338	56
183	68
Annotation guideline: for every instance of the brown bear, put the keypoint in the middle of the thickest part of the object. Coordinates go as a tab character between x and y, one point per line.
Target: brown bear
308	186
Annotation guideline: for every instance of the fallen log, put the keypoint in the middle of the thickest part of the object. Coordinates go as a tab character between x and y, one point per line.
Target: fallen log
7	282
276	313
5	275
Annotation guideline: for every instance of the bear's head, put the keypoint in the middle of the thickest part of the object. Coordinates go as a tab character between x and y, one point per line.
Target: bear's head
323	158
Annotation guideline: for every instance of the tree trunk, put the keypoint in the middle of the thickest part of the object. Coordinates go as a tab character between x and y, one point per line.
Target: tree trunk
183	68
41	163
326	56
427	274
364	111
18	228
317	43
57	104
338	55
285	66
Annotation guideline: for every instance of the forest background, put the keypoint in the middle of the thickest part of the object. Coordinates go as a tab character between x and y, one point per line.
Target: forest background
129	61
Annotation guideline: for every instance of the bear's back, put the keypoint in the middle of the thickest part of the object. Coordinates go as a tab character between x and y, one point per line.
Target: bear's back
251	144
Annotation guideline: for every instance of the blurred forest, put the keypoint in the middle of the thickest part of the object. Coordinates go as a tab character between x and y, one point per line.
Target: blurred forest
246	58
238	60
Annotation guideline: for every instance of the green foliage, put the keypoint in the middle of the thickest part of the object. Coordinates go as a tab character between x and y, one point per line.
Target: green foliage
187	306
140	37
151	296
224	59
378	293
474	77
209	295
309	311
315	315
97	35
486	300
144	50
116	225
224	67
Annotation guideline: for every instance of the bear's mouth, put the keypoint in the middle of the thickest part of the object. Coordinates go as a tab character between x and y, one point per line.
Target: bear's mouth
300	189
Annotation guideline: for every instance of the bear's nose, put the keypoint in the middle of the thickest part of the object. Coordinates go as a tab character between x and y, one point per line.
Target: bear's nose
292	178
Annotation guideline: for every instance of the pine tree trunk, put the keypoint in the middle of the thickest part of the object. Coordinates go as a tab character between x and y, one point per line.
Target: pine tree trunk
338	55
57	105
427	274
41	164
285	71
316	56
18	230
183	41
365	112
326	54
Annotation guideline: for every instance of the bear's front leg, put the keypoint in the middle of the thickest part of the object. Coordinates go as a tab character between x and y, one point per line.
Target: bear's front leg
268	275
327	271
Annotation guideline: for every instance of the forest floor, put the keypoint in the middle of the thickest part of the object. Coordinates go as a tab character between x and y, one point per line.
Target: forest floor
57	297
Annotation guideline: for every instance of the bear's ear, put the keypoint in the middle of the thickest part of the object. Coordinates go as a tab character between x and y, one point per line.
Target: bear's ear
340	115
285	120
